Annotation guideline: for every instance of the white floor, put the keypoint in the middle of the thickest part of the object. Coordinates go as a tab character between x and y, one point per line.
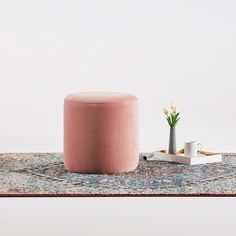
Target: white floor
118	216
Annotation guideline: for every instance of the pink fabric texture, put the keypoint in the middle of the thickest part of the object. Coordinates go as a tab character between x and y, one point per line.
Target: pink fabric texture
101	132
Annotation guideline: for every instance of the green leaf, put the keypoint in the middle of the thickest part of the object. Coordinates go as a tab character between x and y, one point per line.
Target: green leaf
169	121
172	119
176	116
176	122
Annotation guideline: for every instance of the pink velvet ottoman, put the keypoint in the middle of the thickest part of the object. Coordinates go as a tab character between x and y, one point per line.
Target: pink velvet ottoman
101	132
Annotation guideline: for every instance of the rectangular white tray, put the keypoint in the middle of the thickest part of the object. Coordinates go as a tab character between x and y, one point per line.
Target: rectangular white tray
203	158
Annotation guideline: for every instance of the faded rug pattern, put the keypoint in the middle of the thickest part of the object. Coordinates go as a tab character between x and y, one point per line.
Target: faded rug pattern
44	173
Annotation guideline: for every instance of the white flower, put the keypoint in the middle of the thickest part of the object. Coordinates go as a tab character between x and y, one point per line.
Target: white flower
172	105
174	109
165	111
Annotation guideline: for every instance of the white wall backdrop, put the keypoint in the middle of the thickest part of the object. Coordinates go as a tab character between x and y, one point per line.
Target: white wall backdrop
159	50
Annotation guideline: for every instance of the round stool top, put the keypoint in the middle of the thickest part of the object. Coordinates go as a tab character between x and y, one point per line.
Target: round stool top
99	97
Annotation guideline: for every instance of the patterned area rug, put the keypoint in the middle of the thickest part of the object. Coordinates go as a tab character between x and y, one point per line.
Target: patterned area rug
43	174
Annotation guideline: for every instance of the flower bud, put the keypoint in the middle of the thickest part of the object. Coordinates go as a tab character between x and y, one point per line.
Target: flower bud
172	105
174	109
165	111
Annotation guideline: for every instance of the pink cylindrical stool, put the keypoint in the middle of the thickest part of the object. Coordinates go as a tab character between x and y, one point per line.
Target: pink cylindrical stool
101	132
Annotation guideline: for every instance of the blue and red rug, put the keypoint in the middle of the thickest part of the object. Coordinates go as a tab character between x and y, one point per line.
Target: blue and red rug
43	174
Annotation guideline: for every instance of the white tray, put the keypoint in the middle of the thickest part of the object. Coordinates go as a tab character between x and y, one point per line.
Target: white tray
203	158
